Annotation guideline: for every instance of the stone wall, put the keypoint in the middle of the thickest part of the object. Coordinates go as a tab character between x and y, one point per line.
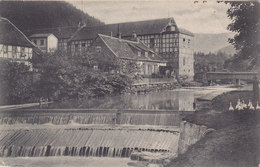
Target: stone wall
190	134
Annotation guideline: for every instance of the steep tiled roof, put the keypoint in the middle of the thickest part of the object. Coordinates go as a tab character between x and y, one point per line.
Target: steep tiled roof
40	35
59	32
126	29
11	35
184	31
124	48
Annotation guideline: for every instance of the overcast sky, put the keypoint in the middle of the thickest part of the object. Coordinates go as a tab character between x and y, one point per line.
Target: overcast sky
209	17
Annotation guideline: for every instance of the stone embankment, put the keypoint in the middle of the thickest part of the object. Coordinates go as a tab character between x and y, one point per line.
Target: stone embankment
145	88
190	134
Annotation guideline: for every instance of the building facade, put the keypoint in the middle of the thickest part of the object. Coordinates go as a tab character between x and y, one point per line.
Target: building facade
106	48
163	36
63	34
48	43
14	45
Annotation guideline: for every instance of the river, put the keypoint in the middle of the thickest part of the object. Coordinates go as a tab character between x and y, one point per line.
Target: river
87	128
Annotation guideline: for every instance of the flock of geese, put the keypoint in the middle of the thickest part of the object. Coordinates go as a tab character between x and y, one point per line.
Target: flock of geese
241	105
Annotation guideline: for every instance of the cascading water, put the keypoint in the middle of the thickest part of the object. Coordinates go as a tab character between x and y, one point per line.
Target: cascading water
84	142
136	117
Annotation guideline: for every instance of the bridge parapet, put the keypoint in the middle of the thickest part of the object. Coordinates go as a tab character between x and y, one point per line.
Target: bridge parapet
231	75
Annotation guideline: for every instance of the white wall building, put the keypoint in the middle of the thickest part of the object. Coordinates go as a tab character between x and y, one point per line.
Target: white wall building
48	42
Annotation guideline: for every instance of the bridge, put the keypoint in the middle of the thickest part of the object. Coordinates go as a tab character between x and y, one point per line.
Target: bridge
237	76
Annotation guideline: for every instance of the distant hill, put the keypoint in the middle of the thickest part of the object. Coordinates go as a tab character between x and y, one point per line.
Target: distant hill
211	42
27	15
227	49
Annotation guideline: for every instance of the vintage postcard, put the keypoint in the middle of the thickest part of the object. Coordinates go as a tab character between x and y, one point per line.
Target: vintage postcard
129	83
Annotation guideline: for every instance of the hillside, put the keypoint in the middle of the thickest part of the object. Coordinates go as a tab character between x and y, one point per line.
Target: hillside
211	42
227	49
27	15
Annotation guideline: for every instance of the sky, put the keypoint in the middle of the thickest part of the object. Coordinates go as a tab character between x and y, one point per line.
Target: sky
207	17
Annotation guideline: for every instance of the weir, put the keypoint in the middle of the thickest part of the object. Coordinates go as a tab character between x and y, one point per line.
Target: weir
84	142
98	132
101	116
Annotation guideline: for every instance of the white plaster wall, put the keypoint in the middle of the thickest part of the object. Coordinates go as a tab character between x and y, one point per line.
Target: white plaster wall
52	43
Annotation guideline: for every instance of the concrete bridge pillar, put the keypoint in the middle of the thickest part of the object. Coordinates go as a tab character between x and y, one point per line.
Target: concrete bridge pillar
256	90
237	82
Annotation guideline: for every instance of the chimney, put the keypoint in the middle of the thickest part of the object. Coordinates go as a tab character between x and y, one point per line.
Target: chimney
118	32
134	36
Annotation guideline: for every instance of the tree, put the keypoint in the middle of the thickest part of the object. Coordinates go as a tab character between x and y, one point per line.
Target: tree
16	83
65	77
245	18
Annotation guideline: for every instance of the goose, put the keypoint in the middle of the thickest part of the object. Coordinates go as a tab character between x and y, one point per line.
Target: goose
251	107
249	103
240	107
231	108
244	105
238	104
257	106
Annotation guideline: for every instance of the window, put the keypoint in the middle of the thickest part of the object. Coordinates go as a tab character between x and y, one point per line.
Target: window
5	49
183	39
184	61
42	42
95	67
35	42
98	49
146	54
152	43
22	54
14	51
83	44
76	47
139	53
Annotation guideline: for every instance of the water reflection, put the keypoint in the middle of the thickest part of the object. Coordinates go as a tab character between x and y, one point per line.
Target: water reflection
181	100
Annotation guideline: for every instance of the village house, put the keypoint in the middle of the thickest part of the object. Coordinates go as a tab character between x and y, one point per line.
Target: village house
163	36
48	42
14	45
63	34
108	48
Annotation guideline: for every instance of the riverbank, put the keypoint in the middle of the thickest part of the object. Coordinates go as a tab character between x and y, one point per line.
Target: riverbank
235	141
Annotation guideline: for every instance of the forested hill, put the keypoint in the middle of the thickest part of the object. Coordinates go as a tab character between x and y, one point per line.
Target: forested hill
28	15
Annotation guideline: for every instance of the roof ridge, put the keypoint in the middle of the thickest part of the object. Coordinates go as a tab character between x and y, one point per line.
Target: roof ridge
130	22
20	32
120	39
51	28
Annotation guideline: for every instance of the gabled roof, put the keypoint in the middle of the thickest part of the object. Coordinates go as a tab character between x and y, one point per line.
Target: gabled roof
11	35
59	32
43	35
184	31
126	29
125	49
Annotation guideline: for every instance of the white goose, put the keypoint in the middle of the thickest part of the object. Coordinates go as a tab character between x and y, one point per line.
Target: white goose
231	108
238	104
250	105
244	105
257	106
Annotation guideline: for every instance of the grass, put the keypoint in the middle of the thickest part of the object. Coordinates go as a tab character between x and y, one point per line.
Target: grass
236	141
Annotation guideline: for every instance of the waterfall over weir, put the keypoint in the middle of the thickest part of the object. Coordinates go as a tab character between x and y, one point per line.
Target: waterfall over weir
98	132
62	116
84	142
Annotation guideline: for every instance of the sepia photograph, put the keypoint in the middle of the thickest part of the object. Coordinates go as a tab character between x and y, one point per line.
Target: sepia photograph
129	83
